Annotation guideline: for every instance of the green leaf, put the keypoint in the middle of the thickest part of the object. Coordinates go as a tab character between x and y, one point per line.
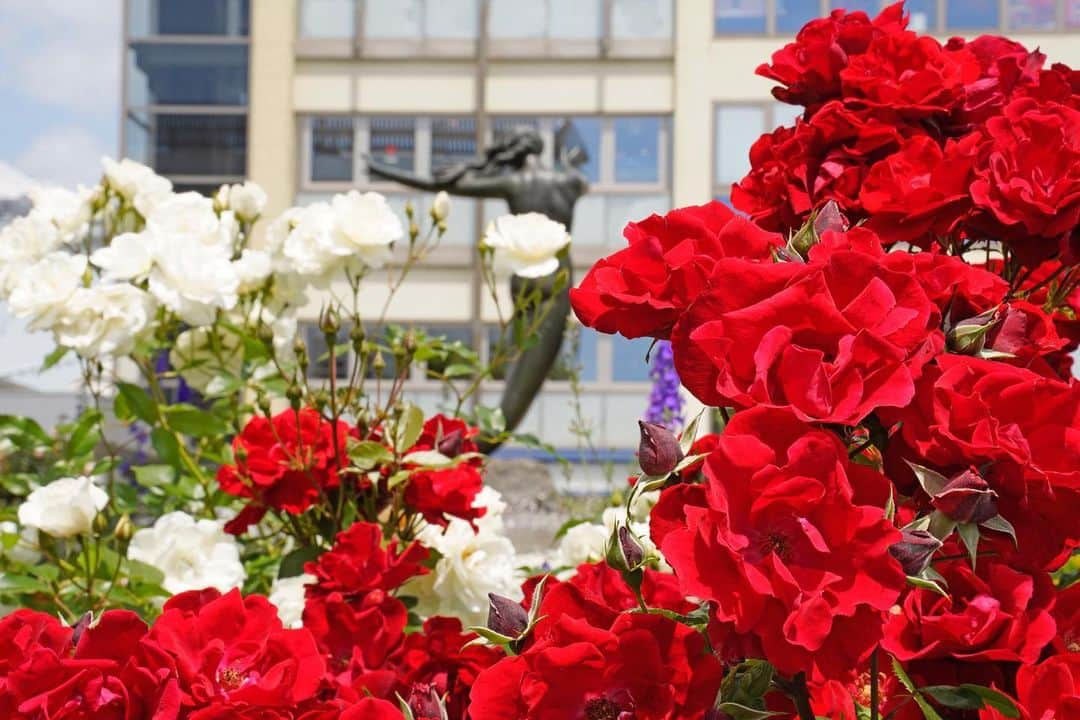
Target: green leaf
927	709
139	402
689	434
940	525
1000	524
190	420
368	454
154	475
143	573
927	584
21	584
166	446
932	482
293	563
54	357
999	701
409	427
954	697
85	436
969	533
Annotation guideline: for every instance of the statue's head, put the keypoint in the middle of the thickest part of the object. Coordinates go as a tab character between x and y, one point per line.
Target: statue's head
520	143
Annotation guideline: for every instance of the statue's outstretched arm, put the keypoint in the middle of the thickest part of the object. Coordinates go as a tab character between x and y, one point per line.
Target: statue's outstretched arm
389	172
470	184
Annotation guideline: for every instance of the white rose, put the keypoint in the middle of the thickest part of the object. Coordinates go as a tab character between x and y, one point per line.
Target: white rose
472	564
24	241
583	543
189	218
491	499
270	238
68	210
247	200
193	554
128	256
64	507
252	268
305	245
136	183
43	289
365	227
25	548
526	244
105	320
194	281
200	355
440	208
287	595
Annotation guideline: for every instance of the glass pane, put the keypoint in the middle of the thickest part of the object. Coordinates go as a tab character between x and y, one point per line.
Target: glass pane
167	74
785	115
736	130
453	141
207	189
332	149
590	221
1072	13
740	16
455	19
642	18
393	141
583	133
327	18
393	18
628	360
870	7
319	353
971	14
517	19
922	15
189	144
188	17
637	150
791	15
1032	14
582	362
575	19
461	229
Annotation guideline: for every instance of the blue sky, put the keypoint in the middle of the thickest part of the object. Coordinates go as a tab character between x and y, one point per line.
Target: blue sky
59	87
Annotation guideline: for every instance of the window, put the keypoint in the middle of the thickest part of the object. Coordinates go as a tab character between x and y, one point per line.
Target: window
188	17
1032	14
628	362
176	144
451	335
870	7
642	19
418	19
453	141
327	18
184	74
393	18
791	15
393	141
577	355
332	149
1072	13
319	353
971	14
741	16
737	127
584	134
922	15
637	150
555	19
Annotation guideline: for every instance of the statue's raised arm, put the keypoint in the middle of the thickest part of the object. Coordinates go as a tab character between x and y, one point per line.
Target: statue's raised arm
464	181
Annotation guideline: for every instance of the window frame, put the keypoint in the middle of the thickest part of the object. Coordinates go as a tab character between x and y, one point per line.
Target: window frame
769	108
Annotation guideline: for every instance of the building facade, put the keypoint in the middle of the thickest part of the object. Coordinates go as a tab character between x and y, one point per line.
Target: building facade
297	93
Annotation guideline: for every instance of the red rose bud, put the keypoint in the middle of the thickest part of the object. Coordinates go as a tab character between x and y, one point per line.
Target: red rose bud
425	703
967	498
968	337
631	548
914	550
830	218
659	451
451	442
80	627
506	617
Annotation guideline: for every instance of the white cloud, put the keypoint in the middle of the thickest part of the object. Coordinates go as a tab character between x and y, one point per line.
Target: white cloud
64	155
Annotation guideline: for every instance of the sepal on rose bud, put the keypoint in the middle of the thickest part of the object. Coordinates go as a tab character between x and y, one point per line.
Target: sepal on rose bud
658	452
968	337
966	498
914	551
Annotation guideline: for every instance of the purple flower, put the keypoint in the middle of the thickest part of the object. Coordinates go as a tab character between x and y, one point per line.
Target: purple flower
665	401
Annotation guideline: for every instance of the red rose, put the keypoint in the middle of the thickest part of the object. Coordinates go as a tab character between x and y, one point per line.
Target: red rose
810	68
1067	617
356	636
436	494
1047	691
1028	178
231	654
777	193
833	340
919	193
640	291
284	463
358	564
644	666
783	545
993	613
448	435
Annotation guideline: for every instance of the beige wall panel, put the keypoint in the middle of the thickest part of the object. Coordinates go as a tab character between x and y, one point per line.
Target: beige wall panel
436	295
323	92
547	88
412	88
638	92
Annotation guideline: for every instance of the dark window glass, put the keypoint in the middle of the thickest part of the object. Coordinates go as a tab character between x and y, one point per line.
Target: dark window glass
744	17
628	359
584	133
207	189
637	150
174	74
971	14
319	353
393	141
453	141
791	15
189	144
188	17
332	149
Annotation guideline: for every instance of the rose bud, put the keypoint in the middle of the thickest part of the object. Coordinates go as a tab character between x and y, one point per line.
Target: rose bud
966	498
631	548
659	452
450	444
425	703
506	617
968	337
80	627
914	550
830	218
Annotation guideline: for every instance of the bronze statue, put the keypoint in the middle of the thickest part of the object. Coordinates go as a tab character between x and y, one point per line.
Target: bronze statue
510	170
